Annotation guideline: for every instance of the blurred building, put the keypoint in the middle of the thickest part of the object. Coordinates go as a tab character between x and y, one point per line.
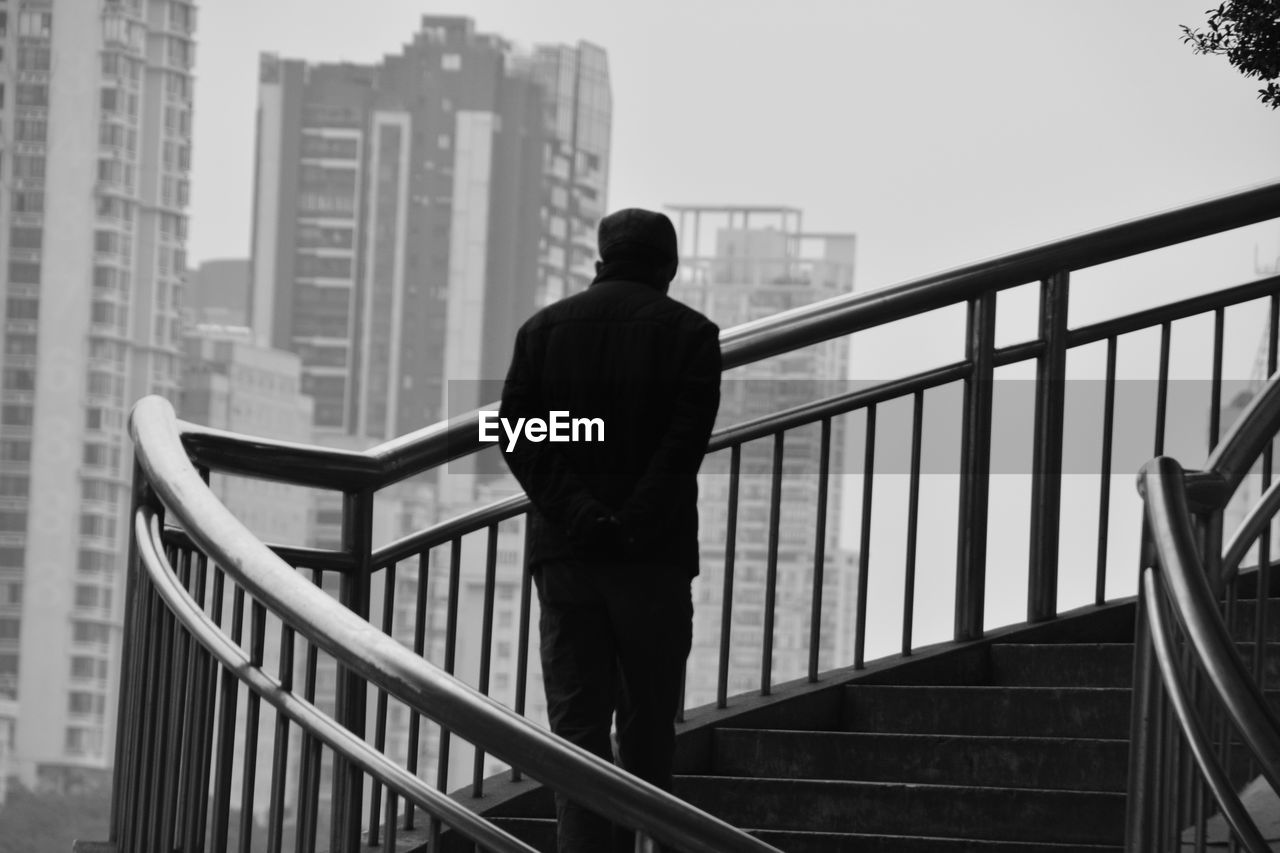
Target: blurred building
218	293
738	264
409	215
231	383
97	138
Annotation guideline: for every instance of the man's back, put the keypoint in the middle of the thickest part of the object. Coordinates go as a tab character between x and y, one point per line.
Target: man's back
614	531
648	368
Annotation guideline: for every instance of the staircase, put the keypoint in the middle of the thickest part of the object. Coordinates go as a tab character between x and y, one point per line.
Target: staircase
1012	739
1017	742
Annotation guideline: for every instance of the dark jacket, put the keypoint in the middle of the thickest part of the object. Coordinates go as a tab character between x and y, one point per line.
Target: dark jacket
649	367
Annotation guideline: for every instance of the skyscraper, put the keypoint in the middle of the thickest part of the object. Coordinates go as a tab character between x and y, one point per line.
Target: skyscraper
98	114
738	264
409	215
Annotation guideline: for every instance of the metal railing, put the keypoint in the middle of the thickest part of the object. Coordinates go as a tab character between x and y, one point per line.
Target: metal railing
413	586
1203	725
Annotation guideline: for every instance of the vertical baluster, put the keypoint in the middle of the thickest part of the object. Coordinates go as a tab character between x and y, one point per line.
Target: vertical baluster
389	820
125	773
450	653
311	751
522	649
730	554
149	819
1140	800
186	709
229	691
175	674
280	748
419	645
350	688
864	547
975	468
819	549
1264	541
143	765
1215	392
201	663
1046	465
1104	489
913	523
1159	771
1162	388
257	640
771	568
380	715
486	643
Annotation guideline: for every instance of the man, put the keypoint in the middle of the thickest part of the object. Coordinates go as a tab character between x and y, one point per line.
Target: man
614	530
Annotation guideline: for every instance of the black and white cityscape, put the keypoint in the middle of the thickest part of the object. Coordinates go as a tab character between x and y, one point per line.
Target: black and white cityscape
323	222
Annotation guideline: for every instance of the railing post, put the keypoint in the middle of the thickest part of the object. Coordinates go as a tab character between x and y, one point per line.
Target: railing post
128	733
975	467
1137	820
1046	464
350	689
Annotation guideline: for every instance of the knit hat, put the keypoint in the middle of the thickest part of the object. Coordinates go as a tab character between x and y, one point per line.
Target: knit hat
633	232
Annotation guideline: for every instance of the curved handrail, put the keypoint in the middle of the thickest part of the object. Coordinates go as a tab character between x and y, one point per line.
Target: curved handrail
384	662
314	721
1249	530
1193	604
1251	432
810	324
1233	810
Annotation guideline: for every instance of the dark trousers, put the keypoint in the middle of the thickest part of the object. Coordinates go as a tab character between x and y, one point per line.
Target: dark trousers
614	637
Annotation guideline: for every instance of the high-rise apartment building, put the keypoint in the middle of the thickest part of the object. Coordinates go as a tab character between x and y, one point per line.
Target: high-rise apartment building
409	215
741	264
96	129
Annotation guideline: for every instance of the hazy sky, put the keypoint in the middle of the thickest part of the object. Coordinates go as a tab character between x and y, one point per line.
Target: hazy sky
940	132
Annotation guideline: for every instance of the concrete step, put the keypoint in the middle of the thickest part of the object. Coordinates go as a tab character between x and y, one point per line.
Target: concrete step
540	833
1054	712
1062	664
1025	762
1089	664
881	808
1246	616
830	842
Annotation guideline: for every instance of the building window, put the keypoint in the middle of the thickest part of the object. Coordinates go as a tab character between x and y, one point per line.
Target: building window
82	741
35	24
29	166
96	562
19	379
13	450
24	272
32	95
31	129
10	627
16	414
451	62
32	57
329	148
89	668
11	594
93	597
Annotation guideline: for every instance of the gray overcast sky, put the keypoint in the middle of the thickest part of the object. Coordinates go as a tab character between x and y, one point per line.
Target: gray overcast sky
940	132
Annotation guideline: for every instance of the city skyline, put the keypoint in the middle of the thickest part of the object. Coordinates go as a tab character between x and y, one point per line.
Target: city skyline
1004	126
